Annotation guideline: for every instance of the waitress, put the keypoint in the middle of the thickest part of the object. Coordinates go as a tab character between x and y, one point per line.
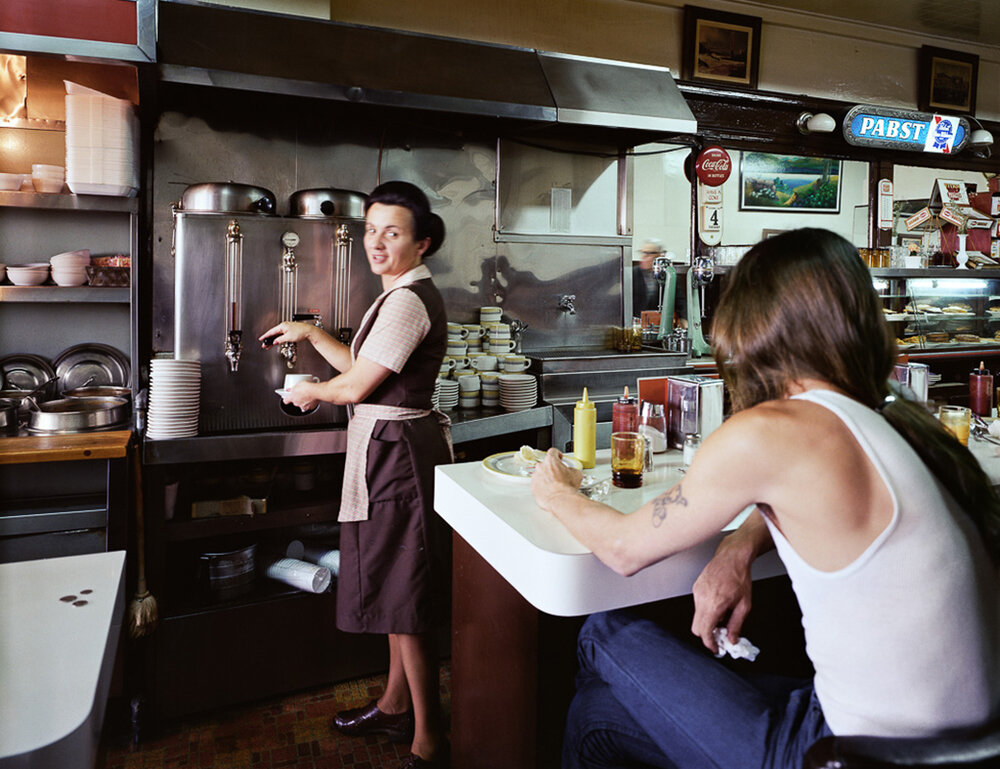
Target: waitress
394	571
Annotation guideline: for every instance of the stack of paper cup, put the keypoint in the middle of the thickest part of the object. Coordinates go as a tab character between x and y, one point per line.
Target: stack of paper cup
304	576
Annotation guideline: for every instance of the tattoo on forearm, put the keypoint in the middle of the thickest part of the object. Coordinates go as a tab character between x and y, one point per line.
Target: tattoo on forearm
673	497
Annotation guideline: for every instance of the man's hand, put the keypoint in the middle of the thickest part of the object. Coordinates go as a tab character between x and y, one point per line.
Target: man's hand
553	478
722	592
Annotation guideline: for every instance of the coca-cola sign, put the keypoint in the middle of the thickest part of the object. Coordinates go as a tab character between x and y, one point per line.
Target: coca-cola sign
713	166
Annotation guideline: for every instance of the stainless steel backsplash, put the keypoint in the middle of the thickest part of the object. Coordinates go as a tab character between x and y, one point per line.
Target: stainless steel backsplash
284	150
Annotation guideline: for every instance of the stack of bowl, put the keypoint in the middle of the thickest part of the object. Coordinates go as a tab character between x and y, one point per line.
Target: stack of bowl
11	182
47	178
70	268
28	274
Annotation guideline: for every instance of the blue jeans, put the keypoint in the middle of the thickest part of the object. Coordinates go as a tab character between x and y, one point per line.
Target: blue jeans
646	699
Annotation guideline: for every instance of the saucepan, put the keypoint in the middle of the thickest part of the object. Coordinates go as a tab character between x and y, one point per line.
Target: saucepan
73	415
8	415
102	391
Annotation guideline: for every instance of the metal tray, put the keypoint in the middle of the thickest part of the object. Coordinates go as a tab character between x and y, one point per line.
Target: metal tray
91	365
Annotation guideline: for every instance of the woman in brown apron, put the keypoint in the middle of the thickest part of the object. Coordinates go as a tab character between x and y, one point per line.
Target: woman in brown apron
394	572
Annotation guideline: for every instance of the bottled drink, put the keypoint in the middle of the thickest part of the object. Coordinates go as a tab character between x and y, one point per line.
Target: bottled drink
981	391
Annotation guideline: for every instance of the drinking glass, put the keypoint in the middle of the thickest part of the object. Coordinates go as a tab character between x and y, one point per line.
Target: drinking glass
628	454
955	419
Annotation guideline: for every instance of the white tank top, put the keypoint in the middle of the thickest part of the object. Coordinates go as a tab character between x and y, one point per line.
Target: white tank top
904	640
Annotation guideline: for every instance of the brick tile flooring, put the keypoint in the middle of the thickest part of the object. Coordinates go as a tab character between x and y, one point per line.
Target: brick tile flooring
293	731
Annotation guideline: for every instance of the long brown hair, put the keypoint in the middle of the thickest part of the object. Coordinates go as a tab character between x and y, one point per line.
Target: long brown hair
801	305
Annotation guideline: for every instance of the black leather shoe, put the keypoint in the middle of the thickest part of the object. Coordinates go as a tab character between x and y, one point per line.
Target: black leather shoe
358	722
413	761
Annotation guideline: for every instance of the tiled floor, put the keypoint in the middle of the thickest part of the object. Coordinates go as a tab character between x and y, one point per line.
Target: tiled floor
293	731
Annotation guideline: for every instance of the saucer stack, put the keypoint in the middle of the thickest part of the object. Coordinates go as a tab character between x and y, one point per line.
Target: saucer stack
518	392
101	141
174	398
445	393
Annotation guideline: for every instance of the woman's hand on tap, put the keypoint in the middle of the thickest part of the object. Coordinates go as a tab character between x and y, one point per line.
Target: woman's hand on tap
286	331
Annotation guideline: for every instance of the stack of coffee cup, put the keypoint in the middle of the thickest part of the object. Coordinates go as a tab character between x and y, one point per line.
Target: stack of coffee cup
455	353
468	391
475	334
514	364
489	315
490	388
500	342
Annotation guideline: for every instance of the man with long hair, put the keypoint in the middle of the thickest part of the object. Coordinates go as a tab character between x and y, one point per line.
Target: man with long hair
886	525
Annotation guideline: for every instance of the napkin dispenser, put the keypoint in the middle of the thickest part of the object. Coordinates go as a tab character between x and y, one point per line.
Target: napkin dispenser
694	405
913	378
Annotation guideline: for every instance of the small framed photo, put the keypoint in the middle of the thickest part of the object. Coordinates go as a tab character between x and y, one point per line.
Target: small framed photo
721	47
948	81
789	184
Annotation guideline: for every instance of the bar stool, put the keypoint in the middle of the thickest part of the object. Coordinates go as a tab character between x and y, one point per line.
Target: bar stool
977	748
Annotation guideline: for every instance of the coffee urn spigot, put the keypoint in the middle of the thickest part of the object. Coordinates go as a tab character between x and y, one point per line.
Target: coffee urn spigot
517	328
234	295
289	293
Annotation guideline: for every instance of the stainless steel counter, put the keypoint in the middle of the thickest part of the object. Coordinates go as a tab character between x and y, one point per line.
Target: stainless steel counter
467	425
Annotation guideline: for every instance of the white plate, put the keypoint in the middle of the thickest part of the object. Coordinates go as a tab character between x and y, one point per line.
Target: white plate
508	466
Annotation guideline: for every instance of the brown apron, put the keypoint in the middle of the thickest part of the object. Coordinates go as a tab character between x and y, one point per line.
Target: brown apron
395	567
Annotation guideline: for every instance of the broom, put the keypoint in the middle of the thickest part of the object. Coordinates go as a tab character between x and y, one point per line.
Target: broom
142	611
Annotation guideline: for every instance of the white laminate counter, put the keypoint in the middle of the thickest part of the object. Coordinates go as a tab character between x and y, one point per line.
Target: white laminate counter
550	568
543	561
56	657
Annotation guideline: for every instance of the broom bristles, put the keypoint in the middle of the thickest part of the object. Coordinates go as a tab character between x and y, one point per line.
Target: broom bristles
143	615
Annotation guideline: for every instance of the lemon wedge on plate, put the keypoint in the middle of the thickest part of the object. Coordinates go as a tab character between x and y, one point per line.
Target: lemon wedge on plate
531	455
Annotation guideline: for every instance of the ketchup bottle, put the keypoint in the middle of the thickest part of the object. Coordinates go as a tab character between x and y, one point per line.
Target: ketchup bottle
625	414
981	391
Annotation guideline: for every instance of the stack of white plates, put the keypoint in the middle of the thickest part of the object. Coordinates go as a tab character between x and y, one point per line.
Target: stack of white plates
174	398
445	393
102	136
70	268
518	391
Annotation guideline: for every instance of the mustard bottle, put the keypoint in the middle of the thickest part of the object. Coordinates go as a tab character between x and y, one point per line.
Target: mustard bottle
585	431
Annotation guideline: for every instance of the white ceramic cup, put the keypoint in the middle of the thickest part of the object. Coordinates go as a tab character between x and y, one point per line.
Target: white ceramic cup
293	379
475	331
490	378
515	363
468	382
457	347
484	362
498	330
501	346
457	331
490	313
447	366
461	372
459	361
468	403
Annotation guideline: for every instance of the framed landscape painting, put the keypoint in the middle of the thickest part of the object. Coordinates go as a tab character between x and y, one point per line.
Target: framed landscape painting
789	183
721	47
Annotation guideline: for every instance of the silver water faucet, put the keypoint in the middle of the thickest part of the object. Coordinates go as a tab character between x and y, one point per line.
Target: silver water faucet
567	303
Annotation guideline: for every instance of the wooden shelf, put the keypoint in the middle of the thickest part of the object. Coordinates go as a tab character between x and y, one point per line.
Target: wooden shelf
61	294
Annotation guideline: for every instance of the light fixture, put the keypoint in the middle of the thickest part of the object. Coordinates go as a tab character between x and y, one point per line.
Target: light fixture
818	123
980	140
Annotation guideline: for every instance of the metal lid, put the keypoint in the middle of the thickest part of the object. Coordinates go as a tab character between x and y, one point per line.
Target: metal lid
227	198
327	203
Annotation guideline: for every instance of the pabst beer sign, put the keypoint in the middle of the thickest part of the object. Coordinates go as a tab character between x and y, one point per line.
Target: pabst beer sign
713	166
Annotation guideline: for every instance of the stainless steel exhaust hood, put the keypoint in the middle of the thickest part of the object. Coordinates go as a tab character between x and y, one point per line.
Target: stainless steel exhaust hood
202	44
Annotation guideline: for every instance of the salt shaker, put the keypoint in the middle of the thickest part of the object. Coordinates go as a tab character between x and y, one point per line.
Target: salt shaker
691	443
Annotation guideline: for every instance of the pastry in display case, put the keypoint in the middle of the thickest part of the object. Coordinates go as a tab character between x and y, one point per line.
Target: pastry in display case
944	312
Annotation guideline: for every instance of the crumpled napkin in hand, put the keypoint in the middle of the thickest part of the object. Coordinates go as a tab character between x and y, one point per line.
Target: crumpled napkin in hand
742	649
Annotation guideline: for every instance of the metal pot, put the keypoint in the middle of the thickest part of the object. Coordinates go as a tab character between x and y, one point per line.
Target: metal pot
73	415
323	203
8	416
227	198
103	391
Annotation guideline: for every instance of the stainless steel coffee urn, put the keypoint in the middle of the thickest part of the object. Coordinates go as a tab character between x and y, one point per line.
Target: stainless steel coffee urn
240	269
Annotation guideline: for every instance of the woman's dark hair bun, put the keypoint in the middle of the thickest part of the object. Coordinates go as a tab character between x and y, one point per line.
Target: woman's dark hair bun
411	197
